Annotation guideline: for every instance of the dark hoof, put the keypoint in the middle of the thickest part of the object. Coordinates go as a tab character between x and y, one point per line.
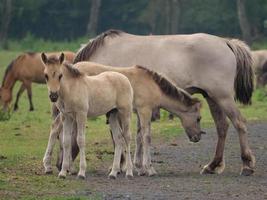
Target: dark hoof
15	108
207	170
80	177
247	171
48	172
61	177
112	177
31	109
129	177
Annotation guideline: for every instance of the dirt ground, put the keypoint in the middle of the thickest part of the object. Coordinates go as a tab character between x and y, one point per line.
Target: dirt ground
178	165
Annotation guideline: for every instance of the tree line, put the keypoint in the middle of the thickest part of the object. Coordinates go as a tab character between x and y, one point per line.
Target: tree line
70	19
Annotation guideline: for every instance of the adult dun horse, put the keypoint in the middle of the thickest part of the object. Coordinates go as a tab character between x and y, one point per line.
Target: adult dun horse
78	96
158	92
216	67
26	68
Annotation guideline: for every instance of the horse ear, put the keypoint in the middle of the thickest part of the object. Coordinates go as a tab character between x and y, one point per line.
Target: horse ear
197	105
44	58
61	58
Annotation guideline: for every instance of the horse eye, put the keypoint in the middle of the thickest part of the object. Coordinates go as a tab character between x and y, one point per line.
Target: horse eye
198	119
46	77
60	76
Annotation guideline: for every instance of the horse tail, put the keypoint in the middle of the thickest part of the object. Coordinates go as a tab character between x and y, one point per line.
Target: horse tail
244	79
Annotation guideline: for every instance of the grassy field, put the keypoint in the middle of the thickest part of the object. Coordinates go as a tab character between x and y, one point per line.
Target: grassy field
23	140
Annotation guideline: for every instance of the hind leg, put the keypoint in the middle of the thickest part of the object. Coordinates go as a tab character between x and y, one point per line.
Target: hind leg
118	144
138	155
28	86
247	157
125	119
217	165
21	90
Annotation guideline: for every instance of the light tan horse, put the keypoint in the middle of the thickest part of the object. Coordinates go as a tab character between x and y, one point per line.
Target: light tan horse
26	68
79	96
218	68
151	90
260	66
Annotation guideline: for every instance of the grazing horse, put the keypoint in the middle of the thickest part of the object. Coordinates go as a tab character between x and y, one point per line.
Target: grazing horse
260	67
26	68
78	96
151	90
218	68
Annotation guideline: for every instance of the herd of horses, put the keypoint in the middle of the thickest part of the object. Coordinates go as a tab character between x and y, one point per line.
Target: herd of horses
117	73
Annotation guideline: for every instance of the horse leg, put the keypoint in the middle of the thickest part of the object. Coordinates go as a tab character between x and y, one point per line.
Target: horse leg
155	114
231	110
217	165
81	120
145	116
125	119
138	155
67	126
118	144
21	90
28	86
55	131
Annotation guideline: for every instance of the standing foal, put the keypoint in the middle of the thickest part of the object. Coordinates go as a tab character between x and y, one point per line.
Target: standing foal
79	96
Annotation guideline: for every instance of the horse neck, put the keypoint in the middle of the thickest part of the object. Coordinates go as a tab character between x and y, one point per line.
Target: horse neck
10	80
174	106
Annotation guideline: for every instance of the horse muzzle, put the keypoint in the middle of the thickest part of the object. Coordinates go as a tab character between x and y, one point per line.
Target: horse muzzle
195	138
53	96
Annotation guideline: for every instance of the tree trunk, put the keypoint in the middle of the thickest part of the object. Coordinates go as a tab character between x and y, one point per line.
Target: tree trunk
243	21
93	20
6	17
175	16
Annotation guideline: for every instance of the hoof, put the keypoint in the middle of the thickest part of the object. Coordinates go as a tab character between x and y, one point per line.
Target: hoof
49	172
31	109
247	171
129	176
61	176
81	177
206	170
112	176
152	172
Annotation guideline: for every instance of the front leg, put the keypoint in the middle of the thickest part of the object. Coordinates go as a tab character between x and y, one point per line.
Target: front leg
67	128
81	120
217	165
55	131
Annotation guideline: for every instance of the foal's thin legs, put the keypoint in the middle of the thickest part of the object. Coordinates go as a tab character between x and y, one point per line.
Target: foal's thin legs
81	120
29	92
138	155
21	90
118	144
67	127
125	119
231	110
54	132
217	164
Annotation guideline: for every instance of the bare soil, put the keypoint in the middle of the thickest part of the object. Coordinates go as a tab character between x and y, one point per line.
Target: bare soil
178	164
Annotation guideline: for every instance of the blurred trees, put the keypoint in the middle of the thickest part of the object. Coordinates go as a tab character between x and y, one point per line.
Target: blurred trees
5	20
69	19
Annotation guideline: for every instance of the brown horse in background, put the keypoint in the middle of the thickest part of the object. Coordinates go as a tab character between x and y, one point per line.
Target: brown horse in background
26	68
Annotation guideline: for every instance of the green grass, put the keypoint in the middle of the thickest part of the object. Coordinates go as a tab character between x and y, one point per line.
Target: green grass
24	136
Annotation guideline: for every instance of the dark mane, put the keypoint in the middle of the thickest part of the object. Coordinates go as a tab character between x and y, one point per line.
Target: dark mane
73	71
87	51
168	88
10	66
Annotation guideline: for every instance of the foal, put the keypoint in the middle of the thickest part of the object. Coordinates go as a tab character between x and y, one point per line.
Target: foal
79	96
151	90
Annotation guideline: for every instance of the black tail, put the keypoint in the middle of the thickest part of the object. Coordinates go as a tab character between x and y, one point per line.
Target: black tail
244	80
